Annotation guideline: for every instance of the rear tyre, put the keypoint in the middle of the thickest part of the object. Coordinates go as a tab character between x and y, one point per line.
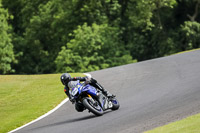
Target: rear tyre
115	103
93	107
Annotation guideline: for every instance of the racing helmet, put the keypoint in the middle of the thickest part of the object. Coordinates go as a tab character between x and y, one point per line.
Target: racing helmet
65	78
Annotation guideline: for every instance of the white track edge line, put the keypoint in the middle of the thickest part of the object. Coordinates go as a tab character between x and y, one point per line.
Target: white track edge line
41	117
45	115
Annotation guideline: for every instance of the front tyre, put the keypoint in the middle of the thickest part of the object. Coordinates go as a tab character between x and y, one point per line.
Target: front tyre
93	106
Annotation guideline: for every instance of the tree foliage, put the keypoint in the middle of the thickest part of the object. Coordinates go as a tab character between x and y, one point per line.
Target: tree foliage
85	35
92	48
190	35
6	47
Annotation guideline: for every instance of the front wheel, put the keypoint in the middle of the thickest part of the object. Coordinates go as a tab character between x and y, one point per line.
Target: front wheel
93	106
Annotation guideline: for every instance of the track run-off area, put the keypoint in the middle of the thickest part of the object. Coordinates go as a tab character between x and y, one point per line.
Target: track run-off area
151	94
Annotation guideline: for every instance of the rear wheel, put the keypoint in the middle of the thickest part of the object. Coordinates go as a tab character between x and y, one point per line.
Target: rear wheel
115	104
93	106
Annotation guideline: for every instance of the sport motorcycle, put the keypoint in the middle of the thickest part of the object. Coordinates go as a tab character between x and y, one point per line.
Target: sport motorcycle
88	97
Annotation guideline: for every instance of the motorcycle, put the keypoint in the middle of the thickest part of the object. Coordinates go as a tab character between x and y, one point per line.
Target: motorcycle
88	97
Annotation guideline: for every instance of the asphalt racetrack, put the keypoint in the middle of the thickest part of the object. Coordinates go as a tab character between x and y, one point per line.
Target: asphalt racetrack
151	94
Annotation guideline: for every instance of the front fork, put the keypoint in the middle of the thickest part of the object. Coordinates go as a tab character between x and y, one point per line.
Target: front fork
101	100
94	102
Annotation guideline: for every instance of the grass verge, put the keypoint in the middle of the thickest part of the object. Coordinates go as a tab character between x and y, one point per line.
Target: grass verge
187	125
187	51
24	98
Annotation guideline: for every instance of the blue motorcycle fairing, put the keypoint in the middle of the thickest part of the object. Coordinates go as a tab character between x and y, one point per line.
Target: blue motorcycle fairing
93	92
89	89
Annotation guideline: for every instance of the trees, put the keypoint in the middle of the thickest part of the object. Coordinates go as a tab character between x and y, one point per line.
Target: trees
44	33
93	47
149	28
189	36
7	56
49	33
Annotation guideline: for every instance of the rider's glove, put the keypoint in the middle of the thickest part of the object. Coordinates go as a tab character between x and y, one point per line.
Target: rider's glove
93	80
87	79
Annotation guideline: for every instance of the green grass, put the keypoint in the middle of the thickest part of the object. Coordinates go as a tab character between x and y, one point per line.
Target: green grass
26	97
187	51
187	125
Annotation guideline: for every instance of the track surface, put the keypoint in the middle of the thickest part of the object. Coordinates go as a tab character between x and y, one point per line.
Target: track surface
151	93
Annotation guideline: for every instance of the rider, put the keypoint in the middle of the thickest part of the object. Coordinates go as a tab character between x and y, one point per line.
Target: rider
66	78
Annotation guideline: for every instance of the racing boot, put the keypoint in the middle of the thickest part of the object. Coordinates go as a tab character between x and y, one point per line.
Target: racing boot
108	94
104	91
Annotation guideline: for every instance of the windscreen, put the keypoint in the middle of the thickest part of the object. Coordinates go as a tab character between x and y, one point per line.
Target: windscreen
72	84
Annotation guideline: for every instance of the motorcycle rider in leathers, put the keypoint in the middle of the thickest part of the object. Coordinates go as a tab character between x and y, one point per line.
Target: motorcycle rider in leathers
66	78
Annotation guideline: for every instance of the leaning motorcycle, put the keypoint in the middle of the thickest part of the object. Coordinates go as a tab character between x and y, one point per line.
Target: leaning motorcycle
88	97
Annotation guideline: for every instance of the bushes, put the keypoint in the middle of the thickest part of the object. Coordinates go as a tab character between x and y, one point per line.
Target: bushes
92	48
77	36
